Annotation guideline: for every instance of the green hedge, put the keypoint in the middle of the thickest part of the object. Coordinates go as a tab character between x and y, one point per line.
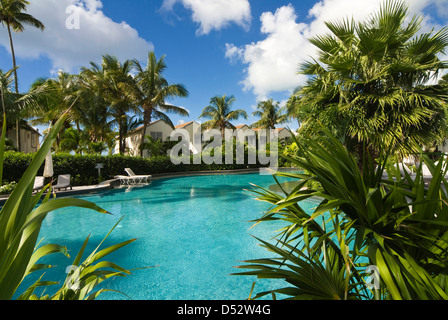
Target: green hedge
83	172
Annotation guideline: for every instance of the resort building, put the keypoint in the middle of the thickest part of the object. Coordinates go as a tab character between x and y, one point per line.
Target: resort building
29	138
157	130
243	132
251	138
194	131
243	127
283	134
161	130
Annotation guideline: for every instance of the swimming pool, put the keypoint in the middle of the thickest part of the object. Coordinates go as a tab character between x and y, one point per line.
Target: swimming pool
194	229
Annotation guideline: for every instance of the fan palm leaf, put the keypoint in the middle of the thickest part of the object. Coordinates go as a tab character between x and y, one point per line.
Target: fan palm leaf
371	81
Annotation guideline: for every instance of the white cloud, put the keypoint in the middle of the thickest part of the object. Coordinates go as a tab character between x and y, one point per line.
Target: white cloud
272	63
442	7
215	14
233	52
70	48
331	10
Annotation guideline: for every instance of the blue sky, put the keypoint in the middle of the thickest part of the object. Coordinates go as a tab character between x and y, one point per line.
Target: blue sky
246	48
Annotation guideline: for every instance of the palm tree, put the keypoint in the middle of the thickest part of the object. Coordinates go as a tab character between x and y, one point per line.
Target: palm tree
220	113
292	109
270	113
94	113
152	90
71	140
153	146
54	98
13	16
369	83
96	121
118	78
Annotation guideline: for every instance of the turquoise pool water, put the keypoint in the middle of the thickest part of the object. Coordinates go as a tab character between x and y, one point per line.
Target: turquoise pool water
194	229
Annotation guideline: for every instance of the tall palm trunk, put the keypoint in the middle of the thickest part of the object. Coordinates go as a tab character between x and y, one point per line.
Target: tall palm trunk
14	64
146	121
120	138
13	57
122	134
223	128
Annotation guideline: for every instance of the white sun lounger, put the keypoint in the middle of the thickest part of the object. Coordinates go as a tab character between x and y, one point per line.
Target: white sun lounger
38	183
63	182
137	178
125	180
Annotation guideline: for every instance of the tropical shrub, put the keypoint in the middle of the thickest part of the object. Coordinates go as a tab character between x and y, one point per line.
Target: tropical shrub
83	171
21	218
9	145
363	221
7	188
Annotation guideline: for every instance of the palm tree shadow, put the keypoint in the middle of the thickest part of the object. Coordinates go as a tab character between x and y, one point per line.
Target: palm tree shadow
184	193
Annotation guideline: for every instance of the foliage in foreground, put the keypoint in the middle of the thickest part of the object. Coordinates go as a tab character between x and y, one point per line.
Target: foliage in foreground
364	221
20	221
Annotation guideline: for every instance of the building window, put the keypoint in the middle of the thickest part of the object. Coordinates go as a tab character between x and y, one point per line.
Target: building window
34	139
156	135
